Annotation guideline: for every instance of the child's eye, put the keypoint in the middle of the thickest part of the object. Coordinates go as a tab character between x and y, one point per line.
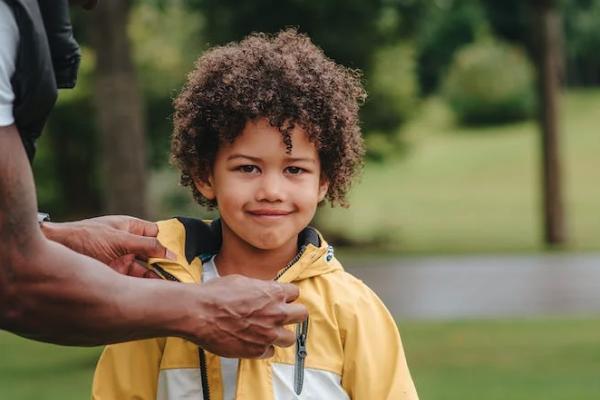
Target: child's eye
295	170
248	169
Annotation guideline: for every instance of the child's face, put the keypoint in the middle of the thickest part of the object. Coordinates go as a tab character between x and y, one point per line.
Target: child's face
265	195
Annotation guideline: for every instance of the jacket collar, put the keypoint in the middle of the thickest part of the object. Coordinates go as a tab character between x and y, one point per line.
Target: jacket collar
315	256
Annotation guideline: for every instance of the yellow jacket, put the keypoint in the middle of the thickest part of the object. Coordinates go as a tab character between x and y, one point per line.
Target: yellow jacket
352	343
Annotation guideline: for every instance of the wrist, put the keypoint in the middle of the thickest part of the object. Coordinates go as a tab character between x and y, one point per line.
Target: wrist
193	322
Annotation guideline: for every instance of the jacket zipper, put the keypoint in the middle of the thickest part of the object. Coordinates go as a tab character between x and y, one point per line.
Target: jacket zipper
301	353
204	374
291	263
301	334
201	353
168	276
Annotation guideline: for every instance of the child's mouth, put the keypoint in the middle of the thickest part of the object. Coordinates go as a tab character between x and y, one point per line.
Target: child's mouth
268	213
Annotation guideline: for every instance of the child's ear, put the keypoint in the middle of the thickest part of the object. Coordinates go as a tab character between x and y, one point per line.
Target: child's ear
323	187
205	187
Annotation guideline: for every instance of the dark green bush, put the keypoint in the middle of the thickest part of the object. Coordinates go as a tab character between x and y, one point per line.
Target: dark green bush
444	28
490	82
582	37
392	90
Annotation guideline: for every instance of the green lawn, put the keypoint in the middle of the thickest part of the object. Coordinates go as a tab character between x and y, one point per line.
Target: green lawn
466	189
504	360
34	371
550	359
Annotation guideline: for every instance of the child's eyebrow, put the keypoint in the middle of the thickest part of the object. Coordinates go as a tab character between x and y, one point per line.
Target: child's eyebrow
258	159
234	156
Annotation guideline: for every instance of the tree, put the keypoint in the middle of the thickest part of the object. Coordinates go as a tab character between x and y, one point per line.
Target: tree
537	25
547	56
119	111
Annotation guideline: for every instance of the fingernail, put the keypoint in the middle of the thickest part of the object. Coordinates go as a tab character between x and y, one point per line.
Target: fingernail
170	255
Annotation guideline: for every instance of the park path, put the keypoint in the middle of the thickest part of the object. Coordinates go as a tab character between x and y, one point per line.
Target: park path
480	286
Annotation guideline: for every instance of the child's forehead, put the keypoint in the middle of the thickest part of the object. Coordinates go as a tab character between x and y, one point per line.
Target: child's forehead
259	136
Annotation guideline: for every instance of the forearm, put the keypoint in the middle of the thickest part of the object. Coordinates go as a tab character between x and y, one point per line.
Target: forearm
51	293
79	301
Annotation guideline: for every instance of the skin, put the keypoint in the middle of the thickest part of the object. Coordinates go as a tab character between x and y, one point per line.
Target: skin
51	293
120	241
265	197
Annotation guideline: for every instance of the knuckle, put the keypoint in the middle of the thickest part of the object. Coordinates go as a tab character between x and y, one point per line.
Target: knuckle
280	314
156	245
258	351
270	337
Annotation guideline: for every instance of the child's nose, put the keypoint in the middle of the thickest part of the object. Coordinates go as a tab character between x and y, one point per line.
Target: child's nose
271	188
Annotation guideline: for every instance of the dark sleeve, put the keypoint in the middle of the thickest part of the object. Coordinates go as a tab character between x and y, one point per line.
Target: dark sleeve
9	40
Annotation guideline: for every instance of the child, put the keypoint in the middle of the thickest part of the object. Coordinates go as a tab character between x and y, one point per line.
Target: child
265	130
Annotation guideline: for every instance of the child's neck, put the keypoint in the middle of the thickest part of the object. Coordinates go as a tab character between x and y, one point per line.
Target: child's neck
238	257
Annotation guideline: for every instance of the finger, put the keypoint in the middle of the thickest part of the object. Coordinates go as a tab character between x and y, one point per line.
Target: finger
122	264
290	292
128	265
138	269
294	313
120	222
143	228
269	352
145	247
151	275
285	338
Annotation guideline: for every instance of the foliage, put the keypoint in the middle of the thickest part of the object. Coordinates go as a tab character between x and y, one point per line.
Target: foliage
393	95
66	163
350	32
512	20
346	30
490	82
163	57
582	32
446	26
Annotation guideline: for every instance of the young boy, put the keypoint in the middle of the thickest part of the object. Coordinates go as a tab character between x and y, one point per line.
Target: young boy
265	130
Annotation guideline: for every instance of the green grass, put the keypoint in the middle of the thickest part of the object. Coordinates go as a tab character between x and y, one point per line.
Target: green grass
550	359
504	360
33	371
476	189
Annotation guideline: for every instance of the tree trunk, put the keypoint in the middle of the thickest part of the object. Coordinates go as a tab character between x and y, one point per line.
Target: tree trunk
120	111
548	42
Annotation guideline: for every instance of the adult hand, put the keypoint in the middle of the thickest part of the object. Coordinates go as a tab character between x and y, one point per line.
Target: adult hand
117	240
245	317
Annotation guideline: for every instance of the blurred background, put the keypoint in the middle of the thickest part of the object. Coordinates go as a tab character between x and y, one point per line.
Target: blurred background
475	218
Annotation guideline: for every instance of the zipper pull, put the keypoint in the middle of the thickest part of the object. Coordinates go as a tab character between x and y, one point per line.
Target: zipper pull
301	353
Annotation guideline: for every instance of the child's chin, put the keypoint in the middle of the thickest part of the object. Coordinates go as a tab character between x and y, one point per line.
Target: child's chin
269	242
270	245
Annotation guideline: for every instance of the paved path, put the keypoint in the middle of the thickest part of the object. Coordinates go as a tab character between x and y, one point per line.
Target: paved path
487	286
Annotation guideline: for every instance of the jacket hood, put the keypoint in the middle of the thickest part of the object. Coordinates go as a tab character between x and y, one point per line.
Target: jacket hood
192	238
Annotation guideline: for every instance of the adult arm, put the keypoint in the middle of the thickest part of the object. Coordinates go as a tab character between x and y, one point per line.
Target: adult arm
50	293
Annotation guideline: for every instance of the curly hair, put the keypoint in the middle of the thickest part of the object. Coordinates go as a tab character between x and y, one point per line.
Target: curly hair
284	78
